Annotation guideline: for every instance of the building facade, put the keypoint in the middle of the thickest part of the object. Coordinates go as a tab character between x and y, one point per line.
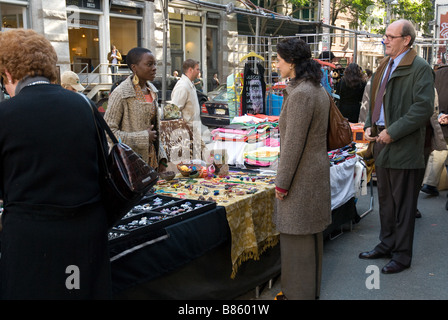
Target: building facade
83	31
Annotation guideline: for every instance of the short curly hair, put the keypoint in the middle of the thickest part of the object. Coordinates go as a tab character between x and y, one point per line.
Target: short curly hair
24	52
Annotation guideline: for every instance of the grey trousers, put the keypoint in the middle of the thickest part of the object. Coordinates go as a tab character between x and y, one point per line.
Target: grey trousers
301	265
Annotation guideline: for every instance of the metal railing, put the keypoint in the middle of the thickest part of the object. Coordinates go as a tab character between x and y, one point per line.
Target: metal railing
100	75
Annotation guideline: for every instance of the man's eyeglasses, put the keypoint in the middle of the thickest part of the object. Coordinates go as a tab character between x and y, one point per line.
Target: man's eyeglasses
390	38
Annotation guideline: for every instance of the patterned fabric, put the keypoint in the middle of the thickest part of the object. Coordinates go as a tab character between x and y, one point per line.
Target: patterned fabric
251	226
249	215
176	138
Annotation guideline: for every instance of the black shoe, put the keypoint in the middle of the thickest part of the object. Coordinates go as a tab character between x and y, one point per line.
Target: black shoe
418	214
432	191
373	255
393	267
446	205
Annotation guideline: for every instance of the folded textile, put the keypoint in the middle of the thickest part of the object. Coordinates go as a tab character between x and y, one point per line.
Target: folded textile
263	156
247	119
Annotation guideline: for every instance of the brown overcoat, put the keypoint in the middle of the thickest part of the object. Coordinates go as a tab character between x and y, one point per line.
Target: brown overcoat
304	166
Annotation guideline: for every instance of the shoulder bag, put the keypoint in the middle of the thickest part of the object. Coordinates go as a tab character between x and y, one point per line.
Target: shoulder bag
125	177
339	132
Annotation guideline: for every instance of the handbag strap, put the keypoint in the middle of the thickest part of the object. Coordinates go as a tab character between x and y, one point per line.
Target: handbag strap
100	122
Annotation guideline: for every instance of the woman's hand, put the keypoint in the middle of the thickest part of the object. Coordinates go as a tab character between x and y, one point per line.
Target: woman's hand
280	195
152	134
443	119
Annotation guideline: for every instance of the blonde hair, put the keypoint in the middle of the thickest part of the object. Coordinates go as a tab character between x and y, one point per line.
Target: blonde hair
24	52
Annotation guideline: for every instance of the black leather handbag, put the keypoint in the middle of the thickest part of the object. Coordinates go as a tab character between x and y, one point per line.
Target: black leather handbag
125	177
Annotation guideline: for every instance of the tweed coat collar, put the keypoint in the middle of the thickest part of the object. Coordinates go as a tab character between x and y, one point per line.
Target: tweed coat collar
128	91
292	85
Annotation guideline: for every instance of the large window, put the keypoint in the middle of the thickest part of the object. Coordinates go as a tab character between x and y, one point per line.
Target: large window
193	43
185	39
177	52
124	34
84	43
12	16
212	54
126	25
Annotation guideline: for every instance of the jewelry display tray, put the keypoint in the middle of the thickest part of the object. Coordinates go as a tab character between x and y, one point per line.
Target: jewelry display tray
129	228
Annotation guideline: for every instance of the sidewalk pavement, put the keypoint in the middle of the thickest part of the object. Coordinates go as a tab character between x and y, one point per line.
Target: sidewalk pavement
344	275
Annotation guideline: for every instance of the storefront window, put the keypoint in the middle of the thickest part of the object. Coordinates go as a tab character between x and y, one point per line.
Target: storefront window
212	53
84	44
124	34
177	52
193	43
12	16
185	39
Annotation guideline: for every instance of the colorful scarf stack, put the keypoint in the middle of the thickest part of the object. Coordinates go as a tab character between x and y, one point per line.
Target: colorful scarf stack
342	154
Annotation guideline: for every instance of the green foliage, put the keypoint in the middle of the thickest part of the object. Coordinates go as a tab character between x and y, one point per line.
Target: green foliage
417	11
420	12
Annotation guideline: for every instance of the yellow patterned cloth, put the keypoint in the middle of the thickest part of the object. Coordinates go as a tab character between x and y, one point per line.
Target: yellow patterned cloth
251	226
249	215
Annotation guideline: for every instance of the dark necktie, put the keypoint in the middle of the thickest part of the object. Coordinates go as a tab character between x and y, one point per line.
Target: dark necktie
380	94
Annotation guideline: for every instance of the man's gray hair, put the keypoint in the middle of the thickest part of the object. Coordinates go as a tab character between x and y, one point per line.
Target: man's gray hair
408	30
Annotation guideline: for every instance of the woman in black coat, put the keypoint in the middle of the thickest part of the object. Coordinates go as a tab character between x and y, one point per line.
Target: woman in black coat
54	240
350	89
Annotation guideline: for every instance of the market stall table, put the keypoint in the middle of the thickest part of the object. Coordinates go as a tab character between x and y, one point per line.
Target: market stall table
248	200
217	254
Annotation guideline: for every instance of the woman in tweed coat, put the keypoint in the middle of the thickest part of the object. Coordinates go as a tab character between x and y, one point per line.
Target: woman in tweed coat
303	175
132	112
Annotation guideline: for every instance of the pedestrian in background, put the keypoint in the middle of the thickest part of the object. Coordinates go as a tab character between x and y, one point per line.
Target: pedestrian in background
70	81
199	83
215	81
303	176
350	90
438	159
114	57
132	112
401	104
184	96
54	223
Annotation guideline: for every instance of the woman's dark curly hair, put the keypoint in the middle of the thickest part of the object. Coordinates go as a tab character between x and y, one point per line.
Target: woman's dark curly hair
24	52
353	76
298	52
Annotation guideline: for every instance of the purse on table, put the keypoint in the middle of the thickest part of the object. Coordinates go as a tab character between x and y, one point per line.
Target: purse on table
125	177
339	132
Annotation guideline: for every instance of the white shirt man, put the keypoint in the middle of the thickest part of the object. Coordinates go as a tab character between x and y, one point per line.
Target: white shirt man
185	97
